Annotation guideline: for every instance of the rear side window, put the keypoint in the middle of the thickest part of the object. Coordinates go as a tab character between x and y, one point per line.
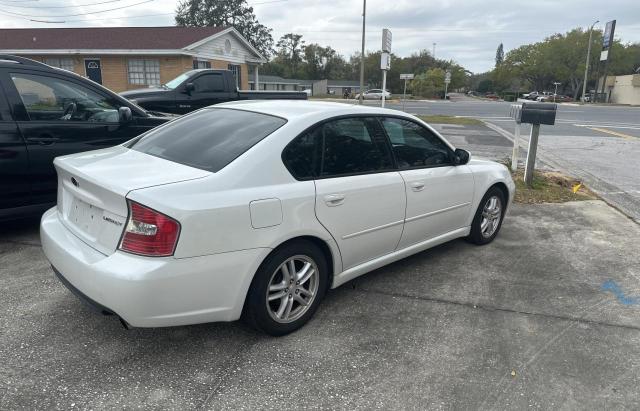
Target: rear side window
209	83
338	148
208	139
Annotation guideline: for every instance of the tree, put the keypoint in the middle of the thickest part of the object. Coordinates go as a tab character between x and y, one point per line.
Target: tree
429	84
290	48
499	55
226	13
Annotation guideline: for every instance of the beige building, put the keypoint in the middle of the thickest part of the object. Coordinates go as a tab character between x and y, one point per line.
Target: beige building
624	89
125	58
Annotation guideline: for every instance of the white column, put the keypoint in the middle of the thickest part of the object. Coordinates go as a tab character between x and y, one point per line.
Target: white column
256	77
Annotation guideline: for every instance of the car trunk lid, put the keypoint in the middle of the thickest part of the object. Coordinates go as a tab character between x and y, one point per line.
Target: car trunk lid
92	190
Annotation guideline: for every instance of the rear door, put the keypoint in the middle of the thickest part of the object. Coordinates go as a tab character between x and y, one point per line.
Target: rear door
360	197
15	189
58	115
439	194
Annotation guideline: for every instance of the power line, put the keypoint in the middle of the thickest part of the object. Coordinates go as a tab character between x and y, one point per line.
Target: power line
72	15
57	7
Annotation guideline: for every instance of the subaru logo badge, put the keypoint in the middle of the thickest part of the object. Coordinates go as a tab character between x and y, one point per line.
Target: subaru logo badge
74	181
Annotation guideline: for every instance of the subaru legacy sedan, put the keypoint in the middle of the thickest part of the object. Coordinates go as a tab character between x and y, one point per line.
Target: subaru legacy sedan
255	209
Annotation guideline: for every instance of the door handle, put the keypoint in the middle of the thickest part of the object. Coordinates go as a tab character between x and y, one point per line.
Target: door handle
417	186
333	200
43	139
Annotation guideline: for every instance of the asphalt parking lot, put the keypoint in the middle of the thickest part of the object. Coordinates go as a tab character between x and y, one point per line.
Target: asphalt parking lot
547	316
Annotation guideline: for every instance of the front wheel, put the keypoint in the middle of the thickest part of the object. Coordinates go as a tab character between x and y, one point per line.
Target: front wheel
488	218
287	289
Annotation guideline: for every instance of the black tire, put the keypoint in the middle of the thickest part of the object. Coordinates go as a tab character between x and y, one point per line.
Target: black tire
477	236
256	312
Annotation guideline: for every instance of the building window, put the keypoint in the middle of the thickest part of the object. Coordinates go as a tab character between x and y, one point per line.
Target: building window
142	71
201	64
63	63
235	69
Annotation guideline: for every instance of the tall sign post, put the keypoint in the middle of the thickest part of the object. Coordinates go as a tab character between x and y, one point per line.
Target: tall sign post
605	55
385	60
447	80
405	77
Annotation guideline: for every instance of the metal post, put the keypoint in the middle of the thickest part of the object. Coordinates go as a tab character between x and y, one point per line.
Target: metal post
364	12
586	66
446	86
516	147
384	86
531	154
404	94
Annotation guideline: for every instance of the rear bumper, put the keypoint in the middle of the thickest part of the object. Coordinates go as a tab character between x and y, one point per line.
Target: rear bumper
151	292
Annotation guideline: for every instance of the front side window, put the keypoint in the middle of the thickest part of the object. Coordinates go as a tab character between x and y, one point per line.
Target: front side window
338	148
208	139
63	63
53	99
208	83
414	145
144	71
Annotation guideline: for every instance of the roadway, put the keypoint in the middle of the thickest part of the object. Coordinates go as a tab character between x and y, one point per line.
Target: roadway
598	144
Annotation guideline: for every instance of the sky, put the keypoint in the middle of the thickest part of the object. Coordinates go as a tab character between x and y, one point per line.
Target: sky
466	31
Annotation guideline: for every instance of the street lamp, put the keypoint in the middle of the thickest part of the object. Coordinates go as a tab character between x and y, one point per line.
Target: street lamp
586	66
364	12
555	93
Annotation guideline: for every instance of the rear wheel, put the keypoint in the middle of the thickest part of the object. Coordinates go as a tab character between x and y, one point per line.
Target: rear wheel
488	219
287	289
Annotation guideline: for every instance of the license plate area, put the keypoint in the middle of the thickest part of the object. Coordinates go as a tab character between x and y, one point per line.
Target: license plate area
84	216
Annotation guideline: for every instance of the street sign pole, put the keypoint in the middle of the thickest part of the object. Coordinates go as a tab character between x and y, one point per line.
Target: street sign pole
404	94
405	77
384	85
385	61
447	80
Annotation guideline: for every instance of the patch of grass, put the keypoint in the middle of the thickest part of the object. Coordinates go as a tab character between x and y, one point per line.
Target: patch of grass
549	187
464	121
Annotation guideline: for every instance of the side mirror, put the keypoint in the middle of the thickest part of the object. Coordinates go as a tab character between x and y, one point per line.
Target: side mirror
124	114
189	87
461	157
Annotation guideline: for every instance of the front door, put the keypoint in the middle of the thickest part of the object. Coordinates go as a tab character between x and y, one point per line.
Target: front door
208	89
93	70
439	194
360	198
59	117
15	188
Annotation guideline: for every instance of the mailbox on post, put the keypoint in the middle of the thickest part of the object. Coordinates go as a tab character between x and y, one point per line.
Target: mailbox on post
537	113
534	114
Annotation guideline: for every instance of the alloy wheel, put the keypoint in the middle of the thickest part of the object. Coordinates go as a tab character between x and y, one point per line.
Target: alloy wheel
292	289
491	215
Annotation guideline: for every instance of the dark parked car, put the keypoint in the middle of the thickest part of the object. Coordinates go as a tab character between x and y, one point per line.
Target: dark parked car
47	112
200	88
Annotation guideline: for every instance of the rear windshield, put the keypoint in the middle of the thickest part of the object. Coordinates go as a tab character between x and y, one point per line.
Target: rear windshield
208	139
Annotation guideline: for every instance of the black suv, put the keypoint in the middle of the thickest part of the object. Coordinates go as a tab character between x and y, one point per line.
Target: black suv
47	112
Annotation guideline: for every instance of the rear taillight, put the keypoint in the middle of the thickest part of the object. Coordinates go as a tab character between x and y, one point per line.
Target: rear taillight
149	232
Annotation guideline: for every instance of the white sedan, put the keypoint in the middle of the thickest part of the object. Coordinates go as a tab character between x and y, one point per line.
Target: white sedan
255	209
374	94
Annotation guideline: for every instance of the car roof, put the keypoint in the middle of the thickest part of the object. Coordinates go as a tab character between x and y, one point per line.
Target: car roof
292	109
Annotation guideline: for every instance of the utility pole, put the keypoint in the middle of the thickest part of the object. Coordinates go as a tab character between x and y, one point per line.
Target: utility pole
364	12
586	65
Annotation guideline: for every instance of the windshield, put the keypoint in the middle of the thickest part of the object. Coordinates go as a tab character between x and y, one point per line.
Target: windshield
177	81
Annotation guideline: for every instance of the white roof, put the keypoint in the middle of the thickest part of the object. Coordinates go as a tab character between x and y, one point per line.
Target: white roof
291	109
